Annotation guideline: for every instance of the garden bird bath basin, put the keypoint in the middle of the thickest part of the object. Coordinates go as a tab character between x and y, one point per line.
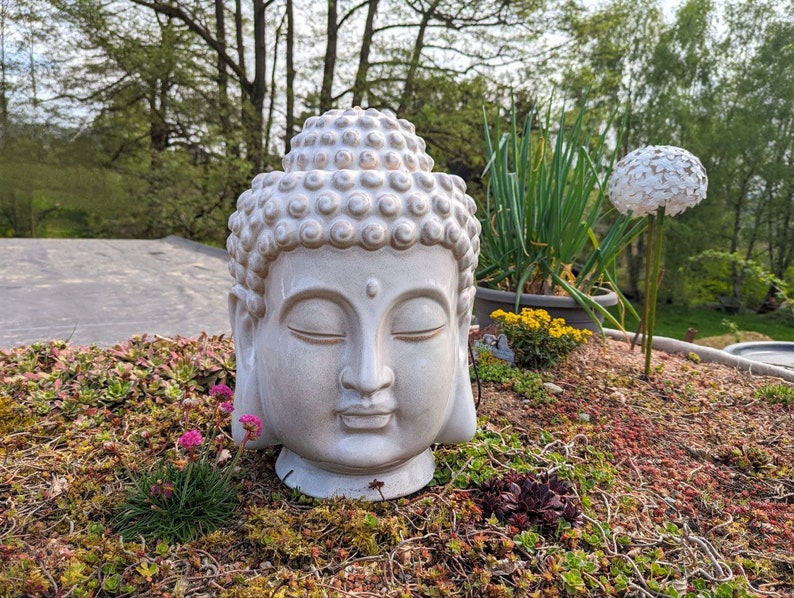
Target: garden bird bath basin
776	353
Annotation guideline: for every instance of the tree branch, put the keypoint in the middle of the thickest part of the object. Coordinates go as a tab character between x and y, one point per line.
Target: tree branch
177	12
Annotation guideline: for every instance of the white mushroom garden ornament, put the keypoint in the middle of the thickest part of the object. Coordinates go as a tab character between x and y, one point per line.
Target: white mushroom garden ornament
657	176
656	180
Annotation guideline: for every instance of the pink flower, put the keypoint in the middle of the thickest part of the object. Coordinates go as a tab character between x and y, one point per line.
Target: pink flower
190	439
253	425
221	391
227	407
165	489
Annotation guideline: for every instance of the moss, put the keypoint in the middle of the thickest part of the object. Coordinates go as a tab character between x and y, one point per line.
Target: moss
22	578
14	417
335	529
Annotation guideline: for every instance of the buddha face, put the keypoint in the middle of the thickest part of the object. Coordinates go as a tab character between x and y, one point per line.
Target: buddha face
357	356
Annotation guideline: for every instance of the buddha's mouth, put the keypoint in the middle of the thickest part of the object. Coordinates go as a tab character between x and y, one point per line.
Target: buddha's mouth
356	420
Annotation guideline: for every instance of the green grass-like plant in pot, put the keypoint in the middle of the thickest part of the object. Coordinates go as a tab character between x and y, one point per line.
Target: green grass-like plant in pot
547	227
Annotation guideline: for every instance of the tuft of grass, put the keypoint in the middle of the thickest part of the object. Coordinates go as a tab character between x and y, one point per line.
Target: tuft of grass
781	394
176	505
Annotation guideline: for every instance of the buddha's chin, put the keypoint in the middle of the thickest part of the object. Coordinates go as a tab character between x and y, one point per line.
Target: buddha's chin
381	481
355	469
361	453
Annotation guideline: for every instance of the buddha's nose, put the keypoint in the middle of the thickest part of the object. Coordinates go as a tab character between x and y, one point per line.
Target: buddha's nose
368	374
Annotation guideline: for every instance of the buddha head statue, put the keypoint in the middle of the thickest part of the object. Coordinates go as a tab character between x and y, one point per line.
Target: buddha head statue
350	308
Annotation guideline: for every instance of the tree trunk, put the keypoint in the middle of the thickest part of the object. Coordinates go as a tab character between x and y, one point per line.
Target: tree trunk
738	205
255	128
238	29
329	63
290	51
3	76
785	245
224	106
34	93
413	65
160	99
272	98
634	267
360	85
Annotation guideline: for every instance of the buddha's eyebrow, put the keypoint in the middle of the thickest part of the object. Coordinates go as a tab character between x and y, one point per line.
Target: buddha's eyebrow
428	292
314	292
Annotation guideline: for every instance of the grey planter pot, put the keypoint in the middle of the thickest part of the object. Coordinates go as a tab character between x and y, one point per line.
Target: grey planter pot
488	300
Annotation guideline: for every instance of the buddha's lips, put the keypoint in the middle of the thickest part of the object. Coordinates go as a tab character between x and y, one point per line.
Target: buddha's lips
358	419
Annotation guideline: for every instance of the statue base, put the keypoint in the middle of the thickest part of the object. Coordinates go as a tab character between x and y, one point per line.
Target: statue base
312	480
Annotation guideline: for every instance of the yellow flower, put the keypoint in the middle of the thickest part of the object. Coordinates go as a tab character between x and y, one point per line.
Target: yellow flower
539	339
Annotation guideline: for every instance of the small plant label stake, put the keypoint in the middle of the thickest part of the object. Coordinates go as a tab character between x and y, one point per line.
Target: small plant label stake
496	346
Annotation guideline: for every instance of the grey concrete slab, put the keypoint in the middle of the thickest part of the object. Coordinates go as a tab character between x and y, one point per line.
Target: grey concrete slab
105	291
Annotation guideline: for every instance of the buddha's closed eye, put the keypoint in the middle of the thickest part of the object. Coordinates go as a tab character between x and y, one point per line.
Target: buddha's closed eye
317	337
418	319
317	320
415	336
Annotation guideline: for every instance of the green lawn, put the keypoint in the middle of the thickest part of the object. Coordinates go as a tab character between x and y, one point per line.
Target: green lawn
674	320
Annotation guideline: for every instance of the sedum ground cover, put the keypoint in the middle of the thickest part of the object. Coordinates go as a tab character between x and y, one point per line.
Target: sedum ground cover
683	485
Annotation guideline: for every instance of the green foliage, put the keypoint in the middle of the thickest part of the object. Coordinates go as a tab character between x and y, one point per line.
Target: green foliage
23	578
745	457
711	274
446	113
175	195
62	186
546	227
54	187
13	416
539	341
728	589
491	369
482	458
176	504
363	529
527	383
782	394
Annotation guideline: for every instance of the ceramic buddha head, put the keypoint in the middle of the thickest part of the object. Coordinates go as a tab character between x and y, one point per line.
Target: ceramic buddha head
353	288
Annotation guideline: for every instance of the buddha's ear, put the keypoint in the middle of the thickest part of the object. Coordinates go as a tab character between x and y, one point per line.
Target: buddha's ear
248	396
244	332
460	420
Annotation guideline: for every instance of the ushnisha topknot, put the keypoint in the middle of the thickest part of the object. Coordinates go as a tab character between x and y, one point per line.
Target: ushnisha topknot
353	178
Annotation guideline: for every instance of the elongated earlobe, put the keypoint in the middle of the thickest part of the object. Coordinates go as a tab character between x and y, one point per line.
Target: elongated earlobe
248	396
460	420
